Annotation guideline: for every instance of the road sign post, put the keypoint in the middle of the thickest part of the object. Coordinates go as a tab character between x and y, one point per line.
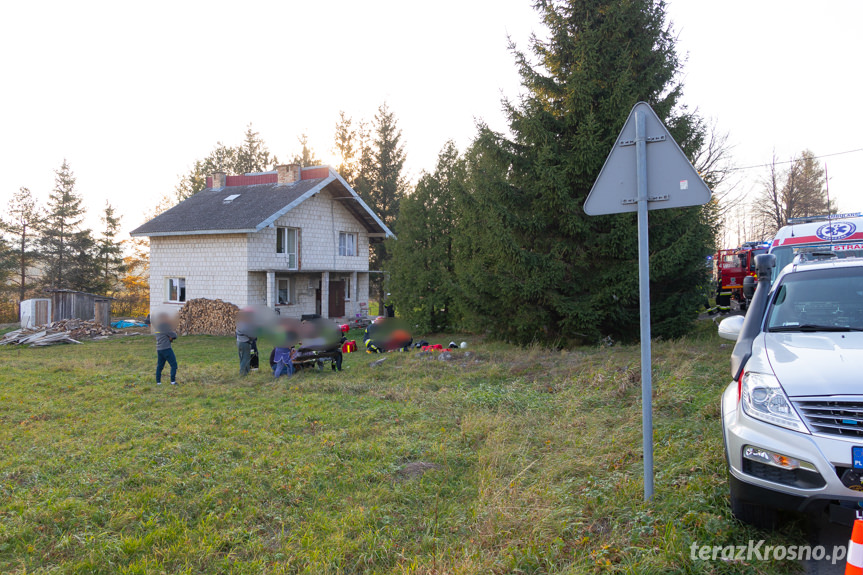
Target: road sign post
644	303
625	184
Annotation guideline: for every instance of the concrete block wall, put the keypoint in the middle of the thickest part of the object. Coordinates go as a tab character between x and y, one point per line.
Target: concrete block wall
363	291
214	265
257	291
319	219
229	266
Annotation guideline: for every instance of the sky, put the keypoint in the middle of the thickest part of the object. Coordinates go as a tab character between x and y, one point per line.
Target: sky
131	94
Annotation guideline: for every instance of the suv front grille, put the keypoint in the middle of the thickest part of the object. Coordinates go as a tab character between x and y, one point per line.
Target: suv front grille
833	416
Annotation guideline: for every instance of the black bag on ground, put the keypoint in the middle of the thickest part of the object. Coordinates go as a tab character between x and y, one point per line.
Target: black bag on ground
254	362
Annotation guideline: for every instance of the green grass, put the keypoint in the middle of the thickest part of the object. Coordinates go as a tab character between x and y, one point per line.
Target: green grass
537	457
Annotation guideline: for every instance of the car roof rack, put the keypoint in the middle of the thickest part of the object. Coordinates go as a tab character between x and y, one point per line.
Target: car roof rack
823	218
813	254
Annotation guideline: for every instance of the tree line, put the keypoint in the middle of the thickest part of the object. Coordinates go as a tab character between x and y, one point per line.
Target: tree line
494	239
47	247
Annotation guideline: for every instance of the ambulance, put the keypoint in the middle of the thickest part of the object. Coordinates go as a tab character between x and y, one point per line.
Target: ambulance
839	234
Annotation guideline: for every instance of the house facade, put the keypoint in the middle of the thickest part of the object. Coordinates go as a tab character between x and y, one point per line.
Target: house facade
294	239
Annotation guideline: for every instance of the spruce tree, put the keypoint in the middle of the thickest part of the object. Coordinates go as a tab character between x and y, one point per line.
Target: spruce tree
531	264
306	156
252	155
21	226
64	244
110	250
346	146
7	272
422	280
365	162
384	185
84	271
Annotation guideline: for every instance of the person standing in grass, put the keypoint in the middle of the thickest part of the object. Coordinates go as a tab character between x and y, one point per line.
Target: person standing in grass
246	336
165	334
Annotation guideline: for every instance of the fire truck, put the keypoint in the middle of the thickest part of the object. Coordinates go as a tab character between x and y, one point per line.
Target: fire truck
732	265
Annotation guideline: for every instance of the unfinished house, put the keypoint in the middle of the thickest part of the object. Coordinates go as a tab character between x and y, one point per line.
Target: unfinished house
294	239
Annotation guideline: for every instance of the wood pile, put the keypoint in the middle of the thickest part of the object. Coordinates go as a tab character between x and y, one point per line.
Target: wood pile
63	331
203	316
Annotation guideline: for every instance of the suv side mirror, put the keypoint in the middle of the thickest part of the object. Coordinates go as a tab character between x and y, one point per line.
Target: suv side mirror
730	327
749	285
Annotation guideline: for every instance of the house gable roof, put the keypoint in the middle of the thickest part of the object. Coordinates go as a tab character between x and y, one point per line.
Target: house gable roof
242	207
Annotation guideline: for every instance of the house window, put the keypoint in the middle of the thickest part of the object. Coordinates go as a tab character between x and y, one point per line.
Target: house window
283	291
176	290
347	288
347	244
287	242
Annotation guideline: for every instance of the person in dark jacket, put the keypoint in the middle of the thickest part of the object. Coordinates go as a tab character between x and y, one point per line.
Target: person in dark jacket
246	336
165	335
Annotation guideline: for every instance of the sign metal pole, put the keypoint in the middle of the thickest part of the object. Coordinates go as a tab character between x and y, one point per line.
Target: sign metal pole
644	303
619	189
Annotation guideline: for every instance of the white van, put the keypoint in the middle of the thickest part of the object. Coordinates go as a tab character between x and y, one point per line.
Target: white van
840	233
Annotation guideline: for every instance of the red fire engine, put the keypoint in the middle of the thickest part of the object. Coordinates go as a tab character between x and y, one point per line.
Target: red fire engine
732	265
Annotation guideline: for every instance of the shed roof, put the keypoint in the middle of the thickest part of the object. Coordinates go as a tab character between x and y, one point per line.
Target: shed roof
77	292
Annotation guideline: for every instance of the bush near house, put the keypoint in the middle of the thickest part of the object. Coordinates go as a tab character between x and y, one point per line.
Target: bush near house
505	461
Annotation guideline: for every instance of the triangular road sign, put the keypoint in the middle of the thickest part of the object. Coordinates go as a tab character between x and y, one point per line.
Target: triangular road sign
672	182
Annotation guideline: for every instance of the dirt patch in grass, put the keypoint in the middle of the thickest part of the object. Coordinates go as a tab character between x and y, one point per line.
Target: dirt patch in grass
415	469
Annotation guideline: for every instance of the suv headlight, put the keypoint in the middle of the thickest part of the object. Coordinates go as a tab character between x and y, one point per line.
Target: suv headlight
763	398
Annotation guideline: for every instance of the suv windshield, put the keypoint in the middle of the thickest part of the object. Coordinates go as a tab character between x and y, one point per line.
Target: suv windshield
818	300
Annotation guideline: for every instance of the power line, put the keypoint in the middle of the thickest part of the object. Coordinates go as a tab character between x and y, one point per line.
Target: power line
791	161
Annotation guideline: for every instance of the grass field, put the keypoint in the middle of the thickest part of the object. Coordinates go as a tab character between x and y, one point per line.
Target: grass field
508	461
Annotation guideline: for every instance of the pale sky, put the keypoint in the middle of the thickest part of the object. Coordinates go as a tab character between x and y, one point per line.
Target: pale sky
131	94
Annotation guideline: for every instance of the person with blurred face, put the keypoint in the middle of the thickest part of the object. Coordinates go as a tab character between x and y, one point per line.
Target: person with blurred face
246	336
165	334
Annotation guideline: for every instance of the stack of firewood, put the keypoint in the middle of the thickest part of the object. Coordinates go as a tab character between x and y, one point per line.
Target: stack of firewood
208	317
81	329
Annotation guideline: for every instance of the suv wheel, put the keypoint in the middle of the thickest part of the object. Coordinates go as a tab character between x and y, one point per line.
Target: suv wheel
753	514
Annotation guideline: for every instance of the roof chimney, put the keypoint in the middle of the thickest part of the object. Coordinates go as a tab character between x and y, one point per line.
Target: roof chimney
288	173
219	180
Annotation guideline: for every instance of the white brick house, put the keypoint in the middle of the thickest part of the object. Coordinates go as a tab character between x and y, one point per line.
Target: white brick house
294	239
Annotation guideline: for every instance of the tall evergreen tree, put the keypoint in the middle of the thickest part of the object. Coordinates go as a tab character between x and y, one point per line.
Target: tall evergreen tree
7	272
531	264
250	156
65	246
306	156
365	162
110	250
346	145
385	185
21	226
422	279
84	272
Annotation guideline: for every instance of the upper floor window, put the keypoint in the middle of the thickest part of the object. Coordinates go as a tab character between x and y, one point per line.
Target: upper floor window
287	243
347	244
176	289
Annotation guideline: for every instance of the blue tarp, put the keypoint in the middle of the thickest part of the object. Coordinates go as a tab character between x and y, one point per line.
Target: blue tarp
124	323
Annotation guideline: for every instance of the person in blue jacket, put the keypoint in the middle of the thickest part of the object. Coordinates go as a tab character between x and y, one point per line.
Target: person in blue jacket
165	335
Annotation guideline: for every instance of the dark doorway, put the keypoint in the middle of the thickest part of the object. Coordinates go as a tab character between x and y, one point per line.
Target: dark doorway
318	301
337	298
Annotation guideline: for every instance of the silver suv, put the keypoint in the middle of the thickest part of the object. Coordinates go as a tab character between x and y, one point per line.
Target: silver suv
792	418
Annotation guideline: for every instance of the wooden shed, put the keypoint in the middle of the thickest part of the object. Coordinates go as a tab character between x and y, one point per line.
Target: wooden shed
71	304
